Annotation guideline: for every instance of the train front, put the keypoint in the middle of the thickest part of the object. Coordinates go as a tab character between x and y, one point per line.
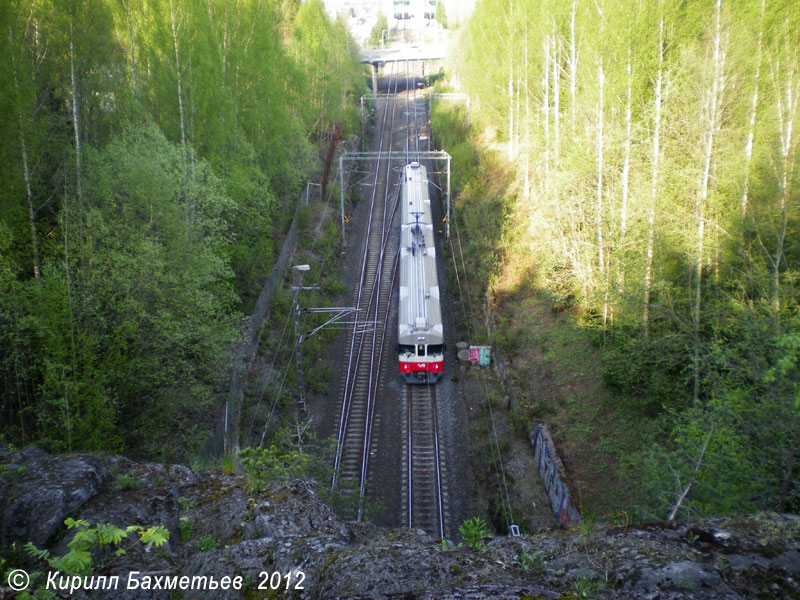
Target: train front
421	354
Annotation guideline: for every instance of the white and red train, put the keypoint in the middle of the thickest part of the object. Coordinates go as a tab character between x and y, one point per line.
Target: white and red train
420	335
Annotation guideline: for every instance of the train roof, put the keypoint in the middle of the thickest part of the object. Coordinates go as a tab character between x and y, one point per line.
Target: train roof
419	314
415	196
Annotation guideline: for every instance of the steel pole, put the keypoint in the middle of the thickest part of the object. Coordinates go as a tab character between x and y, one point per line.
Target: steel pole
341	195
447	225
298	345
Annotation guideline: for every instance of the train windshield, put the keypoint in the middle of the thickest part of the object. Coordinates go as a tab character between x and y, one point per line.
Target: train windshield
435	348
405	349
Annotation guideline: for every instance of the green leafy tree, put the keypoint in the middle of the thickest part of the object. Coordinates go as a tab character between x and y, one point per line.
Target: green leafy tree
784	376
380	30
440	15
652	152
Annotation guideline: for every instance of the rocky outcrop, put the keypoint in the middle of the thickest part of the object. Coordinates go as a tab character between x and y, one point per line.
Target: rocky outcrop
219	528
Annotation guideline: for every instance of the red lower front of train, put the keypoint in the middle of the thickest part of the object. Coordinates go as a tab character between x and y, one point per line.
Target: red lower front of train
421	371
413	367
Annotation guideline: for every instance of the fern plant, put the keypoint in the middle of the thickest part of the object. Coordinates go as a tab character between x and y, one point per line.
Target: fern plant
101	540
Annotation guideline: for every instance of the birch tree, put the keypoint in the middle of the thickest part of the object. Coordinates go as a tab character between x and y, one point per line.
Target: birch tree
76	128
785	80
174	27
655	166
711	116
748	149
18	102
572	61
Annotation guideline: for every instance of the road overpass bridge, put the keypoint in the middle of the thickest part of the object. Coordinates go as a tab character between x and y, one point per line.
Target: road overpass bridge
377	56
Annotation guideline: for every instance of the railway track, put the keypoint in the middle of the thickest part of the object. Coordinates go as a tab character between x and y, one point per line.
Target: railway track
423	470
368	335
423	491
424	499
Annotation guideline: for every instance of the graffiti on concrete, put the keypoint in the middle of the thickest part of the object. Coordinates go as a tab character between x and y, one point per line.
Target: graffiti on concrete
547	464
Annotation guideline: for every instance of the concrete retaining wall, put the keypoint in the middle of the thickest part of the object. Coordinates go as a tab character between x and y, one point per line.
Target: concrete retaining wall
551	470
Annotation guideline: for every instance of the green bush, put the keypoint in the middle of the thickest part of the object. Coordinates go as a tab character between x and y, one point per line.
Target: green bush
473	531
263	466
126	481
207	544
534	562
186	525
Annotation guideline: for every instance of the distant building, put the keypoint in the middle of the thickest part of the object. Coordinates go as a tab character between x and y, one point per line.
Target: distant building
457	10
360	9
397	9
414	17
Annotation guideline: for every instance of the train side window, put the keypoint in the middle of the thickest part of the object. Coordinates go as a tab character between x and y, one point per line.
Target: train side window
435	348
405	349
420	349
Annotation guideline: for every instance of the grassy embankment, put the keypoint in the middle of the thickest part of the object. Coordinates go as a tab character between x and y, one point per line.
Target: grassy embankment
554	362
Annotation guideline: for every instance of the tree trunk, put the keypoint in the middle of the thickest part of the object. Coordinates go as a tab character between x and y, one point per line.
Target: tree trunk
626	163
693	478
712	110
546	111
556	109
786	110
174	30
573	63
599	180
126	5
25	167
654	177
599	148
748	149
29	196
517	119
527	178
511	110
75	121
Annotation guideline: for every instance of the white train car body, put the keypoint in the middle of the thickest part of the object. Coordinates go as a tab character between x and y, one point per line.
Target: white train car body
420	335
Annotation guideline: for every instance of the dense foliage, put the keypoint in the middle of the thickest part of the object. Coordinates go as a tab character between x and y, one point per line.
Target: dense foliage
152	150
655	149
380	30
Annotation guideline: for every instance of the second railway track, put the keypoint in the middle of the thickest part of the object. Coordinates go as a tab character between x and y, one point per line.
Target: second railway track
367	337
